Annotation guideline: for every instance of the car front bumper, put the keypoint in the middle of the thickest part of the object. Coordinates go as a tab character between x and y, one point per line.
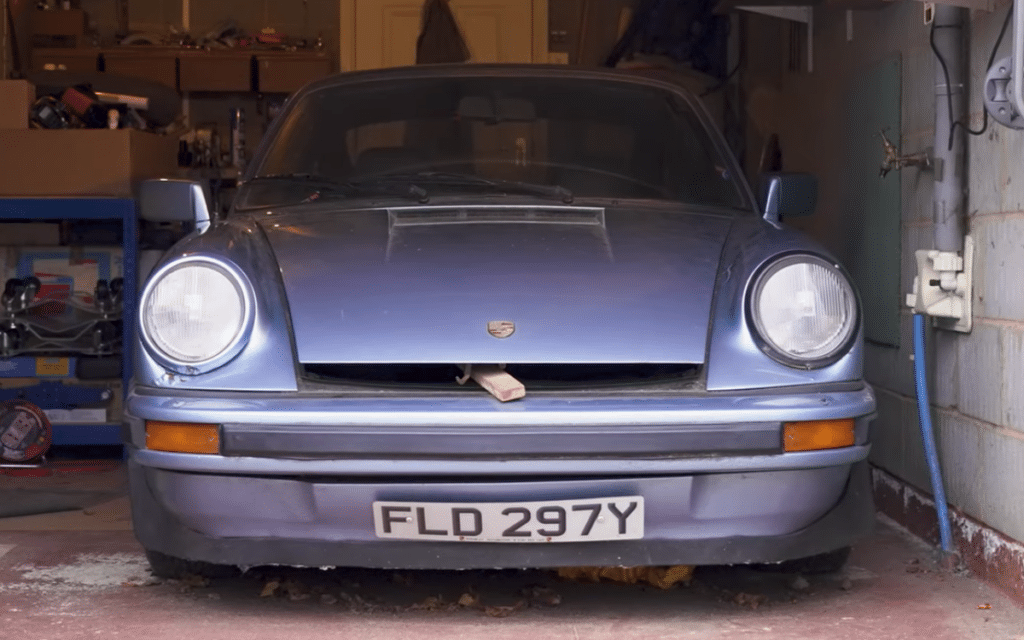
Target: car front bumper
298	476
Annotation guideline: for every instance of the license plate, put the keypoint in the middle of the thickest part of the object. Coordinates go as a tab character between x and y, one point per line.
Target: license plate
550	521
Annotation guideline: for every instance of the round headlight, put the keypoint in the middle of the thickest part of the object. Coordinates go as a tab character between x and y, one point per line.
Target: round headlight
196	314
804	310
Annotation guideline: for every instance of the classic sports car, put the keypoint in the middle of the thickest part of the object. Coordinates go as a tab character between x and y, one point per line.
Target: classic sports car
496	316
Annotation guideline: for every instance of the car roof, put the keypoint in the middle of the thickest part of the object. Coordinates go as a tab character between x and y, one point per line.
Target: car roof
499	70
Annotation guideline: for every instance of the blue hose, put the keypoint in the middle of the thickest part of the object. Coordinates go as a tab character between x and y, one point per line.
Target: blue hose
924	412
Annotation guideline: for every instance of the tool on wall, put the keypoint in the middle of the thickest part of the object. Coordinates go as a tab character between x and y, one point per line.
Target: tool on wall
237	127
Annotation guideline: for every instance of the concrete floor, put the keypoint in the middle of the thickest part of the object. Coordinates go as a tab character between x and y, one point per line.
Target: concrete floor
82	575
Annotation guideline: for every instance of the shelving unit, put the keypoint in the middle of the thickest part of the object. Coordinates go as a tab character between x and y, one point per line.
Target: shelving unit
189	70
52	371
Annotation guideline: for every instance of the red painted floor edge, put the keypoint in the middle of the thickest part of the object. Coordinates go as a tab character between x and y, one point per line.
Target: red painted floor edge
987	553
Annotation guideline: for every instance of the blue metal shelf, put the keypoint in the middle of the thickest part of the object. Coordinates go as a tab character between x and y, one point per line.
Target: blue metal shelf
85	208
66	434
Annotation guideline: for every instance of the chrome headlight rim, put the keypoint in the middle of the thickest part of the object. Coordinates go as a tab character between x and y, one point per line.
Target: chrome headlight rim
246	294
757	330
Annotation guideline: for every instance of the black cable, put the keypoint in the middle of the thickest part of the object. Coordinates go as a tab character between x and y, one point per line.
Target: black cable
991	60
949	90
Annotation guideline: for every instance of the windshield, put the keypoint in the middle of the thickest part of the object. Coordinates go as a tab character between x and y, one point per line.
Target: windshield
560	137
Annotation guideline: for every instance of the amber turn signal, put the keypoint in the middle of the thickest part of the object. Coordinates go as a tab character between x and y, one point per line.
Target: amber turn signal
817	434
182	437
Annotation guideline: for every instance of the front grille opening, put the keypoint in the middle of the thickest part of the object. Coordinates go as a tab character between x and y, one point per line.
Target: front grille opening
534	376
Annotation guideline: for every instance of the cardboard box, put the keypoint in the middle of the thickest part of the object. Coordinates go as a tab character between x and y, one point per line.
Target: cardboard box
16	98
286	72
63	271
29	234
8	263
215	70
69	22
83	162
150	63
65	59
76	416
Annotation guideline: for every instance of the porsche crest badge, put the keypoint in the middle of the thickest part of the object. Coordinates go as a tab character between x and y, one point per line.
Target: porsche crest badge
501	328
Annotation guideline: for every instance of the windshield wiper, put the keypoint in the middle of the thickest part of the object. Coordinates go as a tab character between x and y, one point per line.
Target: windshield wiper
321	184
469	179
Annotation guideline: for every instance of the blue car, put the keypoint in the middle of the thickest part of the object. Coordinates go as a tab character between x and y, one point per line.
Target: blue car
479	316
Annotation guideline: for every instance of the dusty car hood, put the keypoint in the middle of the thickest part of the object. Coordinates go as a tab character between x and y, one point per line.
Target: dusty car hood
421	285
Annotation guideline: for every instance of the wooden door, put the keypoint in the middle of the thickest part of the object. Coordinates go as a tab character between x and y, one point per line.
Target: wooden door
385	31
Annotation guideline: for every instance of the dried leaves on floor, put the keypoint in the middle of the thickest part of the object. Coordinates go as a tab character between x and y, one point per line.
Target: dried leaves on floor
504	612
538	595
469	600
661	577
752	600
194	581
270	588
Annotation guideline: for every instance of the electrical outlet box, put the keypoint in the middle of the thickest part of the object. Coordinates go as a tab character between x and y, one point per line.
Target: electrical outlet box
943	287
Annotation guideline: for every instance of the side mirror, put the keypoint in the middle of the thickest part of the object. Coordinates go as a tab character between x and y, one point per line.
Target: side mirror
788	194
173	200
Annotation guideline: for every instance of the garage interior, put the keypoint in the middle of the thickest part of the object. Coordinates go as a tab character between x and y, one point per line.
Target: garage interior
849	90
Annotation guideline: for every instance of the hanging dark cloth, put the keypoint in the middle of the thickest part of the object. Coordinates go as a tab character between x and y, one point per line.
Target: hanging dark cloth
687	31
440	40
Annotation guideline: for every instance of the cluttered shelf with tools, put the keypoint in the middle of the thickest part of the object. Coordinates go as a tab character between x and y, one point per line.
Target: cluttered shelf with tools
81	124
194	70
200	98
224	59
169	82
